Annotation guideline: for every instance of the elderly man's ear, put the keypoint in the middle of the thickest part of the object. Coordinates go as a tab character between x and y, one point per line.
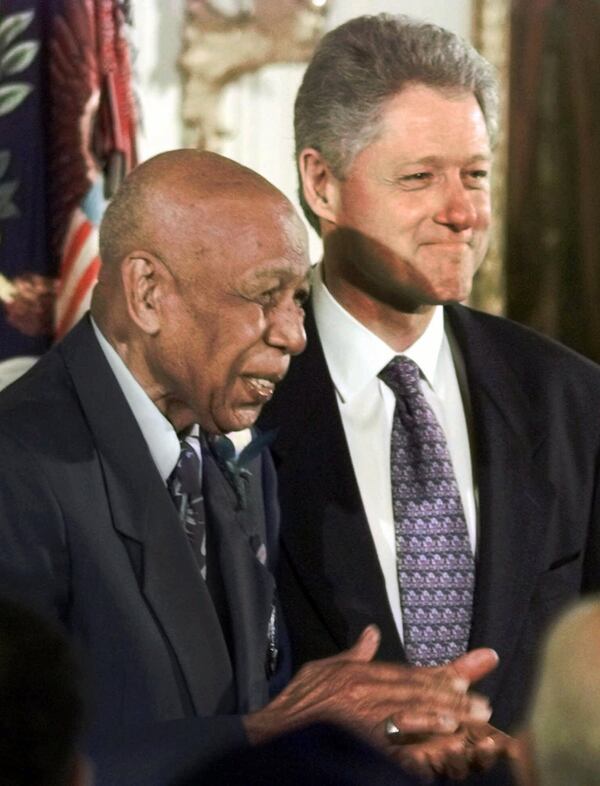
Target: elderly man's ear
321	187
143	278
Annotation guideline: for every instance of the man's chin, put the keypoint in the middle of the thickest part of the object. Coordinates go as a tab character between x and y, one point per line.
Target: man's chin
238	419
453	298
452	292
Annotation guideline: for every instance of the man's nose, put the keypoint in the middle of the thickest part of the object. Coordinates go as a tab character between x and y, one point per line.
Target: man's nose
457	209
286	328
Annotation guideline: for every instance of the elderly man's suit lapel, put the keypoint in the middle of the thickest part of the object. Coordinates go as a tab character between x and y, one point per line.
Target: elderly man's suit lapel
144	515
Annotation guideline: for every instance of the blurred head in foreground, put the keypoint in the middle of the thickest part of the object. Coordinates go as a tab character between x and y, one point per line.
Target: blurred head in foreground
562	741
41	706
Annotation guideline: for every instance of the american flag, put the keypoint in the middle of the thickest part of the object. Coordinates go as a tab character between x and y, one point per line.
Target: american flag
67	138
92	145
79	268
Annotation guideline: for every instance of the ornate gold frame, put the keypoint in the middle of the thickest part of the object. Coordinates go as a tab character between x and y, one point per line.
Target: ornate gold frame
219	48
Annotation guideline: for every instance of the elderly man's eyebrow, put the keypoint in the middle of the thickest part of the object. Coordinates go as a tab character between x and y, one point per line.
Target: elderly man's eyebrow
284	273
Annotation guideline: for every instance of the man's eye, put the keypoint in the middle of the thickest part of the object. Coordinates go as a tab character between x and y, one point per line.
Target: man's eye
416	180
478	174
301	297
268	297
417	176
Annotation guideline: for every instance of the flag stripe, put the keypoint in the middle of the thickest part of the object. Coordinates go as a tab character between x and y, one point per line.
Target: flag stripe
82	290
73	245
80	229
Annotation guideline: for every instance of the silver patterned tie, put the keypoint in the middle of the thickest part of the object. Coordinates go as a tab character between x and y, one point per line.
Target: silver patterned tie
185	486
436	570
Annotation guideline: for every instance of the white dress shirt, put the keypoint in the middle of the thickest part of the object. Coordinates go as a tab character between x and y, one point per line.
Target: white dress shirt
160	436
355	356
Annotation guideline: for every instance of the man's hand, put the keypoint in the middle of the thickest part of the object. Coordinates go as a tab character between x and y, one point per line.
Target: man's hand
349	690
472	748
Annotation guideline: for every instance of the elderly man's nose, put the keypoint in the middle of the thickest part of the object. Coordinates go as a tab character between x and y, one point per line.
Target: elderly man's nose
286	328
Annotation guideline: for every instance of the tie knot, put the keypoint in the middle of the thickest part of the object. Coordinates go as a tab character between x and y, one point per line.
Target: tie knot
222	447
401	375
188	468
186	447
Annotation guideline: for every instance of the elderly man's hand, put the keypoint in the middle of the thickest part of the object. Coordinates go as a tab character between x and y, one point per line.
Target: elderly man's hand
350	690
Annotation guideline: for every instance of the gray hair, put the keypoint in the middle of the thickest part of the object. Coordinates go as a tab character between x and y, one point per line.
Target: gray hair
364	62
564	722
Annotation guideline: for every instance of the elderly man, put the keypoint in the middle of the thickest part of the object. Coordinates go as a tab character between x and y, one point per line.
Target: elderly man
127	517
437	466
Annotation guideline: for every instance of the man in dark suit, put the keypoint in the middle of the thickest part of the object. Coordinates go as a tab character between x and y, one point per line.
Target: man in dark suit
193	321
318	755
395	122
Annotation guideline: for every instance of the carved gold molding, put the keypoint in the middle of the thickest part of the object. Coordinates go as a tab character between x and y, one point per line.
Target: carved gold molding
220	47
491	37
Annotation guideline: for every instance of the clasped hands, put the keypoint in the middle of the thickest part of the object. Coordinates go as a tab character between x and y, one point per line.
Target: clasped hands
442	727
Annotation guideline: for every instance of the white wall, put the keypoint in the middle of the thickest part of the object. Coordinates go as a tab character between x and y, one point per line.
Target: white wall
453	14
156	41
257	110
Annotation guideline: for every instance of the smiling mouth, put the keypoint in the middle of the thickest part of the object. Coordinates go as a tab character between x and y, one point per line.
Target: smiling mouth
451	243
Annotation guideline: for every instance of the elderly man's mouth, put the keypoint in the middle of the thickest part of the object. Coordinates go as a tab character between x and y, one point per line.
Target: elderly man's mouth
261	388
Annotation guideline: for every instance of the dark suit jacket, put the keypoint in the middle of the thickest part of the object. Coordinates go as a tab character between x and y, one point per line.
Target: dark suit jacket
89	535
536	437
318	755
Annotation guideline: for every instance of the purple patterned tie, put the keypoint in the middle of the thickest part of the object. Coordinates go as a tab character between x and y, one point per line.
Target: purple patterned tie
436	570
185	486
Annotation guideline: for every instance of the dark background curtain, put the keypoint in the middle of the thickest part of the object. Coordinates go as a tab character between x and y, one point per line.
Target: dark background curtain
553	210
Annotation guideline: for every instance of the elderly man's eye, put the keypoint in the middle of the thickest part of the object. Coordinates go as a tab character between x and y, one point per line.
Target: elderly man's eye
268	297
301	296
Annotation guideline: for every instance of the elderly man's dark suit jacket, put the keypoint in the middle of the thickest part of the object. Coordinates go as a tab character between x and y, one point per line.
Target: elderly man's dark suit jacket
536	436
90	536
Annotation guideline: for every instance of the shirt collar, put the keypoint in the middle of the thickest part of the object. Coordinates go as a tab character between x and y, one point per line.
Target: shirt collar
160	436
355	355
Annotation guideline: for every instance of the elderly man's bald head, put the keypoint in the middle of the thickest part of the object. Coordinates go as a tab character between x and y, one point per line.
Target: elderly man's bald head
170	191
204	272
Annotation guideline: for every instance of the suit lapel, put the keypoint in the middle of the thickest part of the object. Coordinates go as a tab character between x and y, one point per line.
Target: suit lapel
329	541
143	513
514	500
248	584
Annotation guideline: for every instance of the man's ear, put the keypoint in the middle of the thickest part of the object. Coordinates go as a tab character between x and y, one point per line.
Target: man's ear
142	276
320	186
